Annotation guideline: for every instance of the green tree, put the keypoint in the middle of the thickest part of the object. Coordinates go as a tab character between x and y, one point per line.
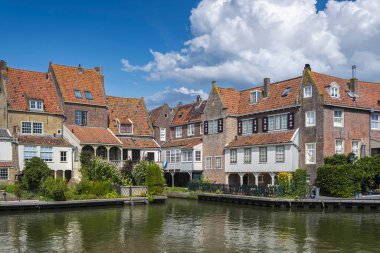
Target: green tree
99	169
85	157
54	189
35	172
139	172
154	179
299	184
337	159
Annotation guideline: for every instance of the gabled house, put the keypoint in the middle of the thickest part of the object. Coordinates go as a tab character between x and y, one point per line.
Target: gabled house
182	154
161	117
34	115
129	121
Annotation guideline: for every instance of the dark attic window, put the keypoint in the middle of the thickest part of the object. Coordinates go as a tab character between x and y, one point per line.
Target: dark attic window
286	92
78	94
88	95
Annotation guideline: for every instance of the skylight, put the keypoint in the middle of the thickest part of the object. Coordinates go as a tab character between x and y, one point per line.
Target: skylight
88	95
78	94
286	92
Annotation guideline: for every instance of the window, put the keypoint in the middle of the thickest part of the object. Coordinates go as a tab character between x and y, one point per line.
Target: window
178	132
263	154
255	96
88	95
208	162
81	118
247	126
126	128
198	156
26	127
201	128
233	156
47	154
310	118
167	156
339	147
278	122
213	126
37	128
63	156
173	156
338	119
78	94
218	162
190	130
36	105
375	124
162	134
334	92
187	156
4	174
310	153
307	91
29	152
355	148
247	155
280	154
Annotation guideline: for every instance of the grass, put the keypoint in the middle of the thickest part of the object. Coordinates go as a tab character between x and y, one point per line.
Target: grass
177	189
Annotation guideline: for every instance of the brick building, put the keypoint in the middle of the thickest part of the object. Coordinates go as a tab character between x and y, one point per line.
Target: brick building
161	117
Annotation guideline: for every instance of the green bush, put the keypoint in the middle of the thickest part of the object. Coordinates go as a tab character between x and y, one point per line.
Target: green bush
337	159
154	179
99	169
139	172
35	172
85	157
54	189
299	184
10	188
94	188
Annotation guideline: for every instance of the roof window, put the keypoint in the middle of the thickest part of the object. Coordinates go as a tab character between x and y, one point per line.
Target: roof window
78	94
88	95
286	92
255	96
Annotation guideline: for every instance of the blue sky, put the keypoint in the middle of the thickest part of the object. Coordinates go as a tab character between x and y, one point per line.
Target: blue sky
102	33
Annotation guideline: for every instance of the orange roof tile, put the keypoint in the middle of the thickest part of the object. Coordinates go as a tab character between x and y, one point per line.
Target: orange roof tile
188	113
25	85
93	135
129	109
182	143
153	114
6	164
69	79
139	143
44	140
262	138
230	99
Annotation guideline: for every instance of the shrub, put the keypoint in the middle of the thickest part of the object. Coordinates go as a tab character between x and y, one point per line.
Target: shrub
154	179
284	179
10	188
35	172
337	159
139	172
94	188
85	157
101	170
54	189
299	184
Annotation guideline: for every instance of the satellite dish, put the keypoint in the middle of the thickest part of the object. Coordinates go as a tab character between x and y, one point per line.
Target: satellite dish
165	164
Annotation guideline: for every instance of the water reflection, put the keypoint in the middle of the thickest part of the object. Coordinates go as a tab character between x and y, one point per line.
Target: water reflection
188	226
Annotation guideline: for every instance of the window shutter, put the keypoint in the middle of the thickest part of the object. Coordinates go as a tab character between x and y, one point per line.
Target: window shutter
239	127
291	120
220	125
205	127
254	126
265	124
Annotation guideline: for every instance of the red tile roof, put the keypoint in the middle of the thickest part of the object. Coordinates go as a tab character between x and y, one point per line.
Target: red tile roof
24	85
182	143
93	135
153	114
230	99
188	113
69	79
262	138
129	109
6	164
138	143
368	93
43	140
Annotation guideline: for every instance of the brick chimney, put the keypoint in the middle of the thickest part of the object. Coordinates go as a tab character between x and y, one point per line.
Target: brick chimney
353	81
80	69
307	67
266	90
3	65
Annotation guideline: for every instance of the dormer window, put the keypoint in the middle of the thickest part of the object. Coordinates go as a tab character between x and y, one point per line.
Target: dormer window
126	128
78	94
88	95
334	90
255	96
36	105
286	92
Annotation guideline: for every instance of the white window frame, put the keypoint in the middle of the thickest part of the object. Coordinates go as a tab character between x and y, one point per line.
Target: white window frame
246	126
2	174
280	154
213	126
254	97
357	150
26	127
310	147
247	155
178	132
36	105
261	156
31	151
310	118
162	134
218	162
190	130
46	153
375	123
341	149
63	156
196	156
334	92
208	164
233	157
339	121
307	91
187	156
278	122
201	128
35	128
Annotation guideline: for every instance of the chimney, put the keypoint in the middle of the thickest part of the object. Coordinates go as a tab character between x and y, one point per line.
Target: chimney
353	81
266	90
307	66
99	70
213	83
199	100
80	70
3	65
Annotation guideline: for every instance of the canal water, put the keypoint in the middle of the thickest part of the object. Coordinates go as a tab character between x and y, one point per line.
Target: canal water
189	226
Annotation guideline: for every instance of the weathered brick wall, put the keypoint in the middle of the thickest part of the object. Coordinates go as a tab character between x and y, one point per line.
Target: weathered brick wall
163	121
96	115
3	102
184	131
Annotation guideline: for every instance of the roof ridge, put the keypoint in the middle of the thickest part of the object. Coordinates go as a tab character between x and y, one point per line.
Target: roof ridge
61	65
282	81
35	71
107	96
346	79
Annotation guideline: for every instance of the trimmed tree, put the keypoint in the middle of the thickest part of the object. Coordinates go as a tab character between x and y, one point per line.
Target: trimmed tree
154	179
35	172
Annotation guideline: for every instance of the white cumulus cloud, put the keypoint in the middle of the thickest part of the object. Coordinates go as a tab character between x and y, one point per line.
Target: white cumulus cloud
242	41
